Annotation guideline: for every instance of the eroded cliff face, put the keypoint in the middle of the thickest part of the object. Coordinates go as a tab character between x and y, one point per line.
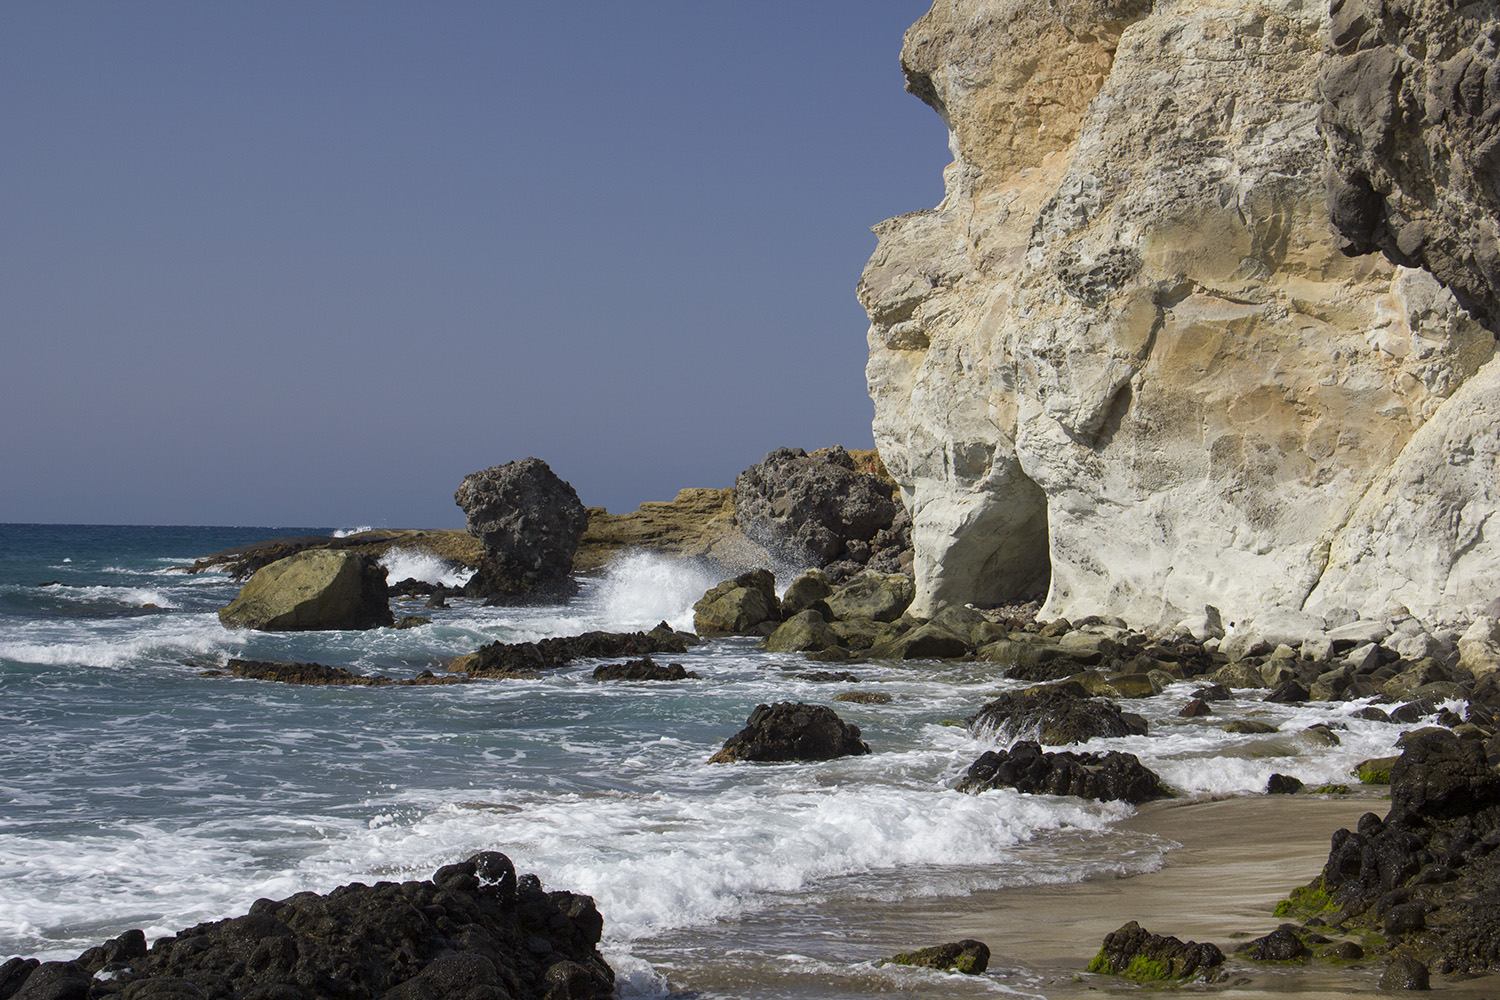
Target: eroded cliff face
1127	362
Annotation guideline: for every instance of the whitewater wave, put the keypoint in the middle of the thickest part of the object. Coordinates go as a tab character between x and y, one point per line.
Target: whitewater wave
640	589
414	564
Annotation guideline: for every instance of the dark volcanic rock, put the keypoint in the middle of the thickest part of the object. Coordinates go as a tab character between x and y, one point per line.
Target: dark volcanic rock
967	956
1055	715
527	659
1411	119
1133	951
1281	945
1283	784
1108	777
810	508
473	932
530	522
644	669
792	731
1405	973
318	673
1427	874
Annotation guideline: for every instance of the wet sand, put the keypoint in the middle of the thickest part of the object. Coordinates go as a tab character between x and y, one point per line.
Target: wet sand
1237	858
1234	859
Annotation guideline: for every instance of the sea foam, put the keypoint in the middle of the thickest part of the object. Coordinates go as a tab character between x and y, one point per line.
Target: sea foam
412	564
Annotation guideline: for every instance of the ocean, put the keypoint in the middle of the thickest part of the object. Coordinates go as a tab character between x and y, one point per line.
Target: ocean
136	791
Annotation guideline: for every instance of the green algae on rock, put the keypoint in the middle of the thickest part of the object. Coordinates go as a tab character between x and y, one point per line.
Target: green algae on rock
968	956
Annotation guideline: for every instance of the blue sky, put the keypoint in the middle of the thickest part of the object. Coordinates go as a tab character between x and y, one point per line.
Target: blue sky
310	263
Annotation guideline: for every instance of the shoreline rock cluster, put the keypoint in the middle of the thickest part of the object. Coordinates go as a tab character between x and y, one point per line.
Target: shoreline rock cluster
475	930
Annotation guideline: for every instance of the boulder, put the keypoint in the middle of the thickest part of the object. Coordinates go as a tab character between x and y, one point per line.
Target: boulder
314	590
806	591
792	731
1055	715
530	522
1405	972
1479	647
1134	952
968	956
882	597
930	641
475	931
1106	777
1283	784
803	632
746	605
809	508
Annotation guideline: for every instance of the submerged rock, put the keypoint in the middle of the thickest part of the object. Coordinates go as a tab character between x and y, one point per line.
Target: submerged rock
528	659
320	589
644	669
530	522
1055	715
320	674
792	731
968	956
473	931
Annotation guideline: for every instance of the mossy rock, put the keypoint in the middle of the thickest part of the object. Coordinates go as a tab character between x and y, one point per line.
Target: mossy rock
968	956
1306	902
1375	771
1331	790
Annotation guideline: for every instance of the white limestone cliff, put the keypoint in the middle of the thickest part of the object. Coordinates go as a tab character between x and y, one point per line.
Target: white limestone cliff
1124	361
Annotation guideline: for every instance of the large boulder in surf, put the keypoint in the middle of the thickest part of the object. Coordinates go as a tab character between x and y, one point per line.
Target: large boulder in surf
1105	777
312	590
746	605
1055	715
475	931
530	522
792	731
808	508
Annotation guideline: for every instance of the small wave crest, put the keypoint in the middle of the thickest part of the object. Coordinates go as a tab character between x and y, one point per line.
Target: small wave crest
412	564
346	532
640	589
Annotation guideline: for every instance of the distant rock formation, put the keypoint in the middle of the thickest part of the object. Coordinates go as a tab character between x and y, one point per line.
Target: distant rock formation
530	522
832	508
1127	362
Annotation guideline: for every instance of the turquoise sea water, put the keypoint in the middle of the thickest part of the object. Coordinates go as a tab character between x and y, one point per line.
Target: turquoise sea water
137	792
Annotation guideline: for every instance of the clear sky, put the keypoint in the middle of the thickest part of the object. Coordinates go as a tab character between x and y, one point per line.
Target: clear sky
311	263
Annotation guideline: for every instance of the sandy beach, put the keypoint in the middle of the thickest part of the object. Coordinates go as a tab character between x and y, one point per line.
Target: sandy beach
1237	858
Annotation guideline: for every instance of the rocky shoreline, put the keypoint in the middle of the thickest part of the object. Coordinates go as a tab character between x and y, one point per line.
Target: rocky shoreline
1409	891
